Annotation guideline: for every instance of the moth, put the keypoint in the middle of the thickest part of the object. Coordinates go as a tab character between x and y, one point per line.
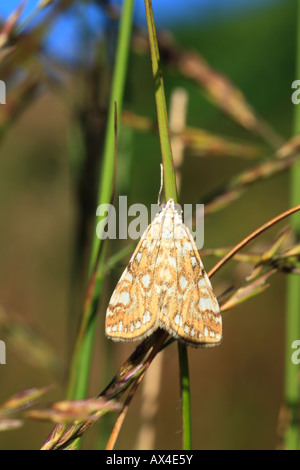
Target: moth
165	286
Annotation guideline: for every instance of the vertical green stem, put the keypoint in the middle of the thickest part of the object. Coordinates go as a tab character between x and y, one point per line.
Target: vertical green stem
185	397
80	368
161	107
170	193
117	92
292	389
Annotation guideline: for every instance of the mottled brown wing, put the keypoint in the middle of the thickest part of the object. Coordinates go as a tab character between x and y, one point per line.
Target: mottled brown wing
132	313
190	310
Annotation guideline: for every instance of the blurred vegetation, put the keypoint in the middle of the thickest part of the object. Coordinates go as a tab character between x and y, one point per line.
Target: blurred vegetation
48	180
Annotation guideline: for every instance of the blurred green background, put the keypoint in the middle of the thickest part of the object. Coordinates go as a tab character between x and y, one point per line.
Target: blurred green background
237	388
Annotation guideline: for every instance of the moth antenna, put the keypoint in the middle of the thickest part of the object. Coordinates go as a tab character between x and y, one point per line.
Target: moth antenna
161	184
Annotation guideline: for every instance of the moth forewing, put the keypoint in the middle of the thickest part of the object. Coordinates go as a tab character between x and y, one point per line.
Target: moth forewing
165	285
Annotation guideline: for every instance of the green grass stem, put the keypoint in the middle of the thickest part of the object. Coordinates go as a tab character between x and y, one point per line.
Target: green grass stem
80	368
170	193
292	333
161	107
